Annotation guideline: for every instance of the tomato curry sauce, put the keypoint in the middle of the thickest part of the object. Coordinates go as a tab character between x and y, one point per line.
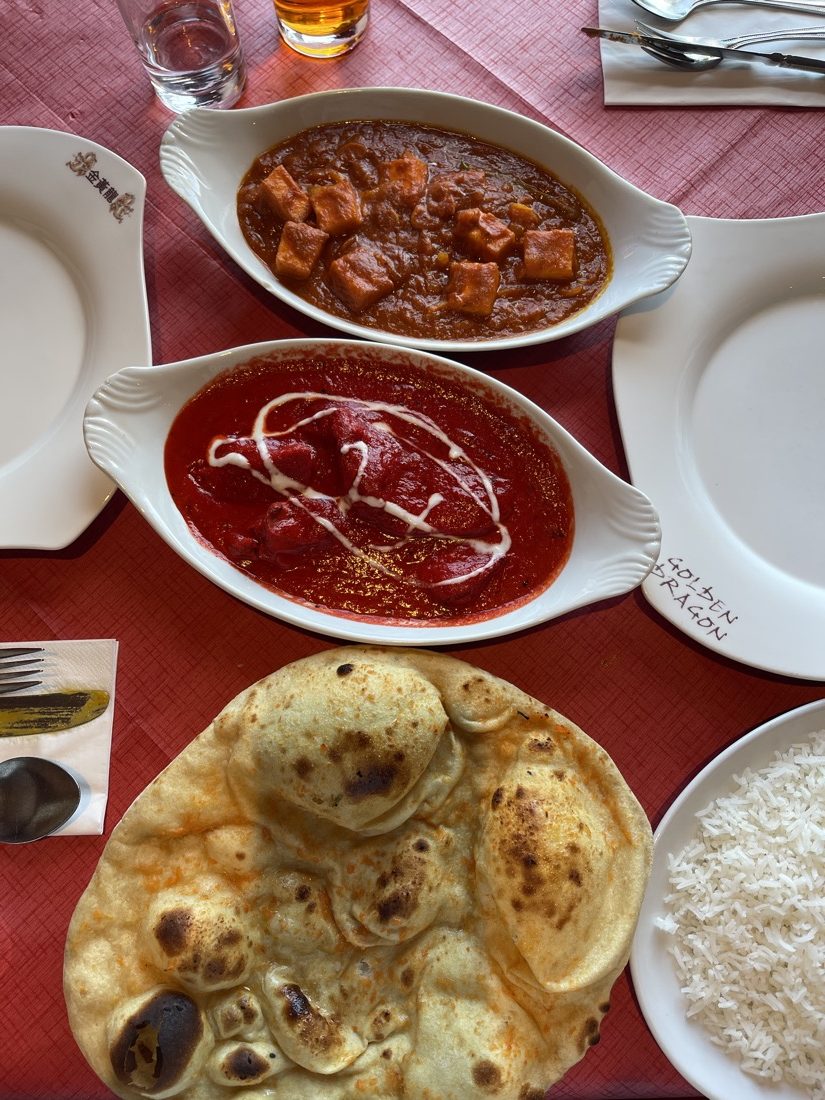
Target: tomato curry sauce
422	232
360	486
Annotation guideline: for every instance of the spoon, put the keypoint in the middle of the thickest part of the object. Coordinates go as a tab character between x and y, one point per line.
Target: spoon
36	797
674	11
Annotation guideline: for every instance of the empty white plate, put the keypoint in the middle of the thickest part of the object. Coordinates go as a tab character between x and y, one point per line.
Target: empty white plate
720	390
72	311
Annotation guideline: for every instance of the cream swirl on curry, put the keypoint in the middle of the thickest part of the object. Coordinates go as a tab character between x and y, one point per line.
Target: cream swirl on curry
463	478
370	489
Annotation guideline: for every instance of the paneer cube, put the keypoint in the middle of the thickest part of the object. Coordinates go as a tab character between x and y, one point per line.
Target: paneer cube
406	179
523	214
337	207
483	235
287	199
298	250
550	254
472	288
360	278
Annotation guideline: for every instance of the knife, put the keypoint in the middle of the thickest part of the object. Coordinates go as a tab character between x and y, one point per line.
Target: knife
782	60
51	712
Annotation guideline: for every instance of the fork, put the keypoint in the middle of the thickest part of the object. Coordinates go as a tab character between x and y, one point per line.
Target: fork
816	33
24	661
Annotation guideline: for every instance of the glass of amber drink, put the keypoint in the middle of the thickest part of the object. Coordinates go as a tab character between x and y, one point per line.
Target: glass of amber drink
322	28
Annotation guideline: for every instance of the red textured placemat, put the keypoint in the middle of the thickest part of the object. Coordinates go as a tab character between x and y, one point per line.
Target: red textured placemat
659	703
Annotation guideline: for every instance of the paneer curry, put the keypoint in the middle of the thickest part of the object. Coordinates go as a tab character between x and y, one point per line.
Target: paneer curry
422	232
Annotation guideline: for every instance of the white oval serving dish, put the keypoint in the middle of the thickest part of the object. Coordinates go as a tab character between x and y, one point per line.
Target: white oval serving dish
204	155
616	538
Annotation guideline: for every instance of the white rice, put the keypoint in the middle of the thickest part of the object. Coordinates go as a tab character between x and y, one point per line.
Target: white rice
747	919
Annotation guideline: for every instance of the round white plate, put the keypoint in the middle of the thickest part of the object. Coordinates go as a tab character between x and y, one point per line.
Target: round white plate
205	154
72	310
720	390
616	530
686	1043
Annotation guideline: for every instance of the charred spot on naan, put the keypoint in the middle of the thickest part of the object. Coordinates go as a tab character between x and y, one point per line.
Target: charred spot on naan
429	793
388	893
366	769
244	1063
559	854
488	1078
313	1038
157	1042
550	881
343	746
202	942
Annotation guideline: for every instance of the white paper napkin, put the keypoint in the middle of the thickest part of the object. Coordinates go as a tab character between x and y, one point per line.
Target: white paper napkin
631	77
85	750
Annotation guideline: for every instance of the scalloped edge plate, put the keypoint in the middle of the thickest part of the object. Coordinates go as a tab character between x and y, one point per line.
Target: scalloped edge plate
73	308
720	396
205	154
616	528
686	1043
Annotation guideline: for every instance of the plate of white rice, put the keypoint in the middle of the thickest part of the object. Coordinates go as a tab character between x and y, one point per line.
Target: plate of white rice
728	960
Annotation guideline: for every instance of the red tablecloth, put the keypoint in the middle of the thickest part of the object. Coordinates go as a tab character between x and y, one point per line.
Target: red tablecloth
660	704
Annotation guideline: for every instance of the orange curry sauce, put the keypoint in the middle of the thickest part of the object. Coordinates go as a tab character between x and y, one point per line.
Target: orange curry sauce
420	231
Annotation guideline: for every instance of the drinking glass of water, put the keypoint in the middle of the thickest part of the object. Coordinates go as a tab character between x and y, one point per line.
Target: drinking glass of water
190	49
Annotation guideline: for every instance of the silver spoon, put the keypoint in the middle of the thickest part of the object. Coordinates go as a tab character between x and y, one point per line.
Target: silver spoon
698	61
36	797
673	11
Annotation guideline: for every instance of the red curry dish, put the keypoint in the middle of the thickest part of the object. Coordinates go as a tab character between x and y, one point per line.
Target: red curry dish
360	486
422	232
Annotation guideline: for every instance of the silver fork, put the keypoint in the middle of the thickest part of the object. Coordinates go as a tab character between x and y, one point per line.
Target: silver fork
16	663
816	33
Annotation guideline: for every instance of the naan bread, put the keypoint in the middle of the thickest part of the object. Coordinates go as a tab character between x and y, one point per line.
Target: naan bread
378	873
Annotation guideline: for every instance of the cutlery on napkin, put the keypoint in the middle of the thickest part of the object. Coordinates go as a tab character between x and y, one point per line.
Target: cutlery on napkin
631	77
782	60
69	720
